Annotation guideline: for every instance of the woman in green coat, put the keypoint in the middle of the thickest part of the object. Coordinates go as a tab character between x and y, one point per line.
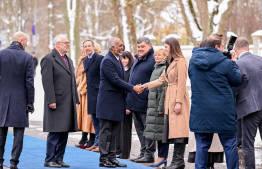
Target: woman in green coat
155	116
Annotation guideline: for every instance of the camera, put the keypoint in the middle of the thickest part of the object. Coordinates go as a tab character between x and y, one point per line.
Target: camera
230	47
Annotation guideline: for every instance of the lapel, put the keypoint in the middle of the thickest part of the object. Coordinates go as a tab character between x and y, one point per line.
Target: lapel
122	70
91	60
172	65
59	59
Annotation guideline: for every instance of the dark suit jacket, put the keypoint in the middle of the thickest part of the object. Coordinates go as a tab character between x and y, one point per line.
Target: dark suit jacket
92	69
60	87
111	104
16	86
249	94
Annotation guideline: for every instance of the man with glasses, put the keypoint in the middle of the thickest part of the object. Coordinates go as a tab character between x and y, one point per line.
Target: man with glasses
61	101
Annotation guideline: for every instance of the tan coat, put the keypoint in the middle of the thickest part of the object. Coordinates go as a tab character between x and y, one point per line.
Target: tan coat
79	69
84	120
176	91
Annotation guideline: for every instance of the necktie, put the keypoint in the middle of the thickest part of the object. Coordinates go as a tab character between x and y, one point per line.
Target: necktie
65	61
119	61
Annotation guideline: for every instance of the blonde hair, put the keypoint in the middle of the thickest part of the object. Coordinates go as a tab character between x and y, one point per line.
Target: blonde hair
162	51
97	48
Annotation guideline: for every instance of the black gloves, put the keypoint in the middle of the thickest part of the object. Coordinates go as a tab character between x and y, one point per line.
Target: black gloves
30	108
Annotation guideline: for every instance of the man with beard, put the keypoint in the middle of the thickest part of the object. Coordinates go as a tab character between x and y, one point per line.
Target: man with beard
61	101
111	102
16	94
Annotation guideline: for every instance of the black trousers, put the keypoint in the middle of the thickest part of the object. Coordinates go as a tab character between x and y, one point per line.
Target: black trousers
124	138
250	124
239	132
55	146
17	144
148	147
107	139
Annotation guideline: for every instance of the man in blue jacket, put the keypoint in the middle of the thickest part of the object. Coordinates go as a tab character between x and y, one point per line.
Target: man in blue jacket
111	102
16	94
212	103
137	103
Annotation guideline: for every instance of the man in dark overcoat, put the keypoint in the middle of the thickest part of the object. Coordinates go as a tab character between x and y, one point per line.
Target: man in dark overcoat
92	68
61	101
16	94
249	99
111	102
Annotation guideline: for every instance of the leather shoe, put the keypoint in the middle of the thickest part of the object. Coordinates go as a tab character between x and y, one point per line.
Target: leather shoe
52	164
1	166
107	164
91	148
146	159
63	164
79	145
117	163
13	167
134	159
95	150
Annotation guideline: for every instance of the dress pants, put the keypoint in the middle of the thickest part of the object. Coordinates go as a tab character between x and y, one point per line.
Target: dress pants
55	146
162	149
107	139
96	123
17	144
124	138
239	132
203	143
148	147
250	124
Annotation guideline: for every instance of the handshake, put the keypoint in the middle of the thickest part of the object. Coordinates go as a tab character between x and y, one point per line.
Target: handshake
139	88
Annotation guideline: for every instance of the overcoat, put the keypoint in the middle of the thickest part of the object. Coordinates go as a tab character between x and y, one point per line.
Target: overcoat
176	91
60	87
79	69
156	97
92	69
212	77
16	86
84	119
111	103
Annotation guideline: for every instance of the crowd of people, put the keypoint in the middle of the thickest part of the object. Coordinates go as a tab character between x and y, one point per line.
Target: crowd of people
105	94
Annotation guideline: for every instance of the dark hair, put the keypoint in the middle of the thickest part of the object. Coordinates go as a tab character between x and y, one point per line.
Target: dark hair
203	44
93	44
214	39
175	50
128	55
144	39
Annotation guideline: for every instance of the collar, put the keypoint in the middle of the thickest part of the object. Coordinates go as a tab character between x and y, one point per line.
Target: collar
242	54
90	57
16	43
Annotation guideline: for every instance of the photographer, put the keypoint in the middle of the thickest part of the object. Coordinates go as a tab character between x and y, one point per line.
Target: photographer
212	108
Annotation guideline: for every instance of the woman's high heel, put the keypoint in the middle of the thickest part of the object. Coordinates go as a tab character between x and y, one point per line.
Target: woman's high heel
158	164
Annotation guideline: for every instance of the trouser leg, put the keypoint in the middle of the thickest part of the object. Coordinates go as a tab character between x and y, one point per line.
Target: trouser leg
239	132
115	131
162	149
126	137
61	146
203	143
17	145
229	142
3	134
96	123
51	143
105	137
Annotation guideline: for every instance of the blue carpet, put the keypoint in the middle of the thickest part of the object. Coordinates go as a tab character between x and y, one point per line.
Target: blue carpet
33	156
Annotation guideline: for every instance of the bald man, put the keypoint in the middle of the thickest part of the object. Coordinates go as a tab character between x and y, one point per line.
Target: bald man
16	94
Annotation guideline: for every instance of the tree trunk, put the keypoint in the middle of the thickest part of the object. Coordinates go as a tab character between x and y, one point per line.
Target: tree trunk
203	15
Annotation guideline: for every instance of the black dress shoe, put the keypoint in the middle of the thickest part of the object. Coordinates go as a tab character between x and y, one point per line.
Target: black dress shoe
64	165
52	164
1	166
107	164
134	159
117	163
146	159
13	167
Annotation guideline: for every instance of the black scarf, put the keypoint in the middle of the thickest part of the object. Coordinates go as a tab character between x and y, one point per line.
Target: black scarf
16	43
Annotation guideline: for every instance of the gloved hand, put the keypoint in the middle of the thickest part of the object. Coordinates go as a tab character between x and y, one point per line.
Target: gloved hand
30	108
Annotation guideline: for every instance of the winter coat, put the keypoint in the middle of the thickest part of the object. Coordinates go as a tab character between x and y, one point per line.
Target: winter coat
156	97
16	86
79	68
111	104
60	87
84	120
176	91
140	73
212	103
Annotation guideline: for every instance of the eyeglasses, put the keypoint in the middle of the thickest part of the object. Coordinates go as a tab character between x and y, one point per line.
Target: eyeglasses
67	43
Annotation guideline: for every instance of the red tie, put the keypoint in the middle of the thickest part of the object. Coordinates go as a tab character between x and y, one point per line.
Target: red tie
119	61
65	61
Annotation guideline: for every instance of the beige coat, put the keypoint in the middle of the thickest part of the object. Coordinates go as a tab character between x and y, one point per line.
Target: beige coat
176	91
215	146
79	69
84	120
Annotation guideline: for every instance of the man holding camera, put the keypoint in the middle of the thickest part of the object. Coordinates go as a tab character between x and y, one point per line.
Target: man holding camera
248	98
213	109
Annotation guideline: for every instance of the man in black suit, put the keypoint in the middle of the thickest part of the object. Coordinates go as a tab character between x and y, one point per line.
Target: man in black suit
61	101
249	98
16	94
92	69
